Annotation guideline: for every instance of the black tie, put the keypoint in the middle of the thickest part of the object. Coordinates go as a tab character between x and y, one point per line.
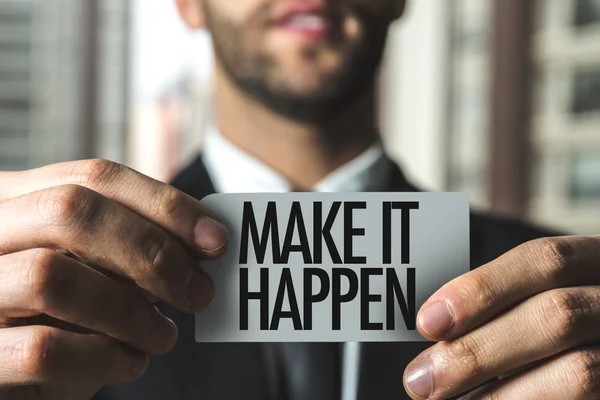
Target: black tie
311	371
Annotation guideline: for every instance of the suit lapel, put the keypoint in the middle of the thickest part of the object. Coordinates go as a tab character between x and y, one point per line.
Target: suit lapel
194	180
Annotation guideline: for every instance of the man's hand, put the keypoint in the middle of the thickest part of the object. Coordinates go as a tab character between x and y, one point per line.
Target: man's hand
84	248
530	318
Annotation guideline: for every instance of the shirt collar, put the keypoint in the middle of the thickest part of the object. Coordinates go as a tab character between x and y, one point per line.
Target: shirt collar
234	171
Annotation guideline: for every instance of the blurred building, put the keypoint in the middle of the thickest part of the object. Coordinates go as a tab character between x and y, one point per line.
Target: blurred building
468	97
516	104
63	81
16	21
524	109
566	120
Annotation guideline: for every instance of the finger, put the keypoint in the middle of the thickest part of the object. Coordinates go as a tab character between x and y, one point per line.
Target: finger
538	328
177	213
40	355
105	234
574	375
43	281
515	371
474	298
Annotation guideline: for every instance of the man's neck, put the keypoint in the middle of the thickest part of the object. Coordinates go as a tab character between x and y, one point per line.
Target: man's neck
302	153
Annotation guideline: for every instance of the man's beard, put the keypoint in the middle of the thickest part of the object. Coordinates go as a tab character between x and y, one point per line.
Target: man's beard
249	68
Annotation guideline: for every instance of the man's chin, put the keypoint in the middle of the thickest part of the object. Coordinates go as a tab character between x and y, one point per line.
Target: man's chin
299	90
301	83
315	107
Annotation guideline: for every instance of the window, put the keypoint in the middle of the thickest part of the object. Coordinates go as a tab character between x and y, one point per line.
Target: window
15	83
469	92
585	178
14	17
586	91
566	121
12	163
587	12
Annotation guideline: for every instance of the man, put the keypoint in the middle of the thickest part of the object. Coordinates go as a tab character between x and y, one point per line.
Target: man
86	247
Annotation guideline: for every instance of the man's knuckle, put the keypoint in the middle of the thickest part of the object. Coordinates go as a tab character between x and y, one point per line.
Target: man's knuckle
555	253
33	351
41	275
564	311
35	257
158	252
68	205
583	370
466	352
168	202
479	288
92	173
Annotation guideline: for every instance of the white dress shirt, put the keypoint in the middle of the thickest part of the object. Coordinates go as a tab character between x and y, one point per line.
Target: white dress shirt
235	171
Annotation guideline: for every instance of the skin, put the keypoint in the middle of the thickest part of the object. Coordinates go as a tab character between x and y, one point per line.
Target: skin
87	246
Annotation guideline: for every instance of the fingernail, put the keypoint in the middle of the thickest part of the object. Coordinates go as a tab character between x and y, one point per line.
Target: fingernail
139	362
210	234
437	319
202	291
167	330
419	379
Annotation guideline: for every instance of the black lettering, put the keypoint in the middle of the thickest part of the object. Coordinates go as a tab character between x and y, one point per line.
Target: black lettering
350	231
393	289
262	296
286	285
405	229
337	298
296	220
249	227
323	232
367	298
309	297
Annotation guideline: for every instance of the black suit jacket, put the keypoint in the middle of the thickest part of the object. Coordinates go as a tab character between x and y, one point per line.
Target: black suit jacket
241	371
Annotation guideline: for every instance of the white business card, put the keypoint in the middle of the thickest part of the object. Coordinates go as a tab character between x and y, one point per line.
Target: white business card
331	267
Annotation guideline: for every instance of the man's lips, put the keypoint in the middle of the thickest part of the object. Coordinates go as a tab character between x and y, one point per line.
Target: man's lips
306	24
308	20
